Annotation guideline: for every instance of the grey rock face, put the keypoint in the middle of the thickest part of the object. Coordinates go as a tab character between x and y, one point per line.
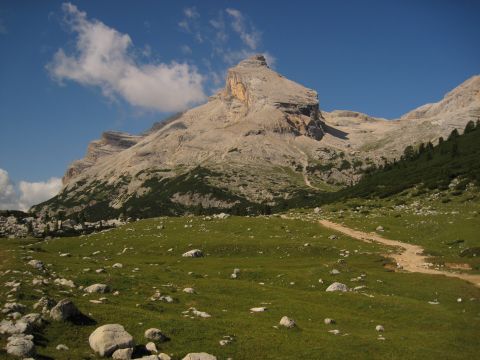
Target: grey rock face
108	338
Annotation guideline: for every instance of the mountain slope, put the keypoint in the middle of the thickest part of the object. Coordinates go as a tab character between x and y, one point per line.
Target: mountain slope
261	142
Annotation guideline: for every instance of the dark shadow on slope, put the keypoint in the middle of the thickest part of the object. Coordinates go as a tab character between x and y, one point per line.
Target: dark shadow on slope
82	320
335	132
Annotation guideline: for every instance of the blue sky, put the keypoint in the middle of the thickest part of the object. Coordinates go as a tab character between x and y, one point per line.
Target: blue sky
383	58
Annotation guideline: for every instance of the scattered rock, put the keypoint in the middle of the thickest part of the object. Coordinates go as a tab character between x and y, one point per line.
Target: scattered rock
193	253
20	346
199	356
10	328
189	290
336	286
196	312
117	266
64	310
235	273
287	322
62	347
64	282
329	321
97	288
379	328
37	264
258	309
333	237
155	335
151	347
379	228
108	338
123	354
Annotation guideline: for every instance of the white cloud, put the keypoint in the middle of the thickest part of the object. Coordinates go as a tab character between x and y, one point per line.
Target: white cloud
29	193
8	197
191	12
32	193
248	34
187	50
104	57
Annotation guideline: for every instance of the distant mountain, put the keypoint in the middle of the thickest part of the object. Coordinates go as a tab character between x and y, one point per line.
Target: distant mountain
261	142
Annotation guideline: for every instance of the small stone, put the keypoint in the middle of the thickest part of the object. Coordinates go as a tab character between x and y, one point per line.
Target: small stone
193	253
336	286
151	347
97	288
37	264
379	328
287	322
62	347
189	290
199	356
329	321
155	335
258	309
123	354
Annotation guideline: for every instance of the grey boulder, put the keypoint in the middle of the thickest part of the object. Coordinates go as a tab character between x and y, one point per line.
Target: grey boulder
108	338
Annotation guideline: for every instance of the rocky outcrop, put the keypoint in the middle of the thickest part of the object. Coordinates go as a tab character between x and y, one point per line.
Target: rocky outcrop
110	143
254	84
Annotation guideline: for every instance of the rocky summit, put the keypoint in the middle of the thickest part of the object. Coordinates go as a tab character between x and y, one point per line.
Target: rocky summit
262	141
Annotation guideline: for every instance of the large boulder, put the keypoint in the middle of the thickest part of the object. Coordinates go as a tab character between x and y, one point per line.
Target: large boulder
64	310
108	338
199	356
97	288
20	346
336	286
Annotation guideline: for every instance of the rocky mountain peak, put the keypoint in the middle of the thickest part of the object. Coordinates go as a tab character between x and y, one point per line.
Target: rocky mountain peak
259	87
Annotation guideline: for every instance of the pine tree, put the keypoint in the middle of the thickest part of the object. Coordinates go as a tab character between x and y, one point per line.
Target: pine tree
469	127
453	135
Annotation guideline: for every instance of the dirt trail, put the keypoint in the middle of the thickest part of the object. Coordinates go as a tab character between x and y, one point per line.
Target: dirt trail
410	259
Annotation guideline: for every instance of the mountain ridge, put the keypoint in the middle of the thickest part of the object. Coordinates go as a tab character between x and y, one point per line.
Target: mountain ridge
264	136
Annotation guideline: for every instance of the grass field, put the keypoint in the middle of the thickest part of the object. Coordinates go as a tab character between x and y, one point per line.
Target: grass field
446	230
277	270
